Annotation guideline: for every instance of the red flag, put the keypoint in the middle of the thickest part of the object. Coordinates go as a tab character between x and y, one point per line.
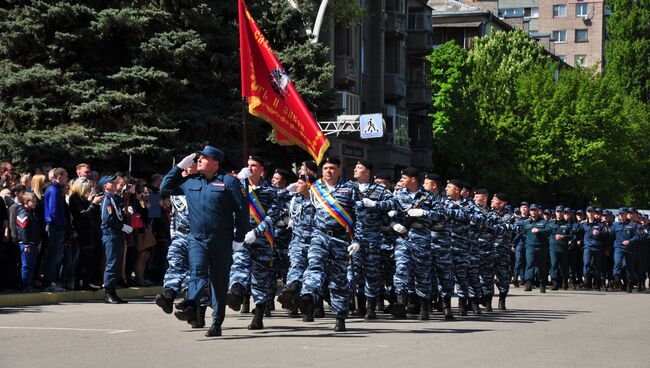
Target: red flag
270	93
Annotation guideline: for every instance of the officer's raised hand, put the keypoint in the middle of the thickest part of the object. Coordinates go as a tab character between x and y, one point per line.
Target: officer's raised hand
353	248
244	174
416	212
186	162
250	237
369	203
399	228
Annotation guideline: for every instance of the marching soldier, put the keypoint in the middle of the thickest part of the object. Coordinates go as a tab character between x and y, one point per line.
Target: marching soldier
536	233
503	227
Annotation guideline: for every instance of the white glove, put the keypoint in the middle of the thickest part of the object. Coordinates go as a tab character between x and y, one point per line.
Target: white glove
236	246
416	212
244	174
400	228
130	210
292	187
186	162
367	202
250	237
353	248
392	213
127	229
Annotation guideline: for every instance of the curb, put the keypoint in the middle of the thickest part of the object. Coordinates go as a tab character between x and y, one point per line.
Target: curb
42	298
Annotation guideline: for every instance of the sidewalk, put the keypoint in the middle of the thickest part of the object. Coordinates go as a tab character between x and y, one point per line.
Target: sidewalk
40	298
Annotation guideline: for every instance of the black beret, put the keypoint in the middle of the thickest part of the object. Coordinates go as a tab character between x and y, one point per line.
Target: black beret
331	160
311	165
411	172
501	196
257	159
366	164
286	175
481	191
432	176
467	186
455	182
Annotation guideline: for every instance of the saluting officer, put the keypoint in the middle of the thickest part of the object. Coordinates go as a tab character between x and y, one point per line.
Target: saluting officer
218	217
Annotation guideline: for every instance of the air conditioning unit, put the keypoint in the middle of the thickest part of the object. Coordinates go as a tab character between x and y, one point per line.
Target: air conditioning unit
584	18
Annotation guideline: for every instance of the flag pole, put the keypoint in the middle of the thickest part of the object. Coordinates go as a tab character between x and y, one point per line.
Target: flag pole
244	121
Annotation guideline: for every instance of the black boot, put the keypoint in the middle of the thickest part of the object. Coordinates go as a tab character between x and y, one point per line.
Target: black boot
529	286
111	297
246	304
288	294
270	305
502	301
380	304
340	325
257	323
188	313
413	304
307	308
565	285
554	285
166	300
361	306
476	309
462	306
200	318
542	288
588	284
215	330
399	309
319	309
515	283
488	303
630	286
446	307
438	306
235	297
370	310
424	309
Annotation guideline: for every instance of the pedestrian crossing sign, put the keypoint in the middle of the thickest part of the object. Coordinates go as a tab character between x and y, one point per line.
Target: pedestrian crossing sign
371	126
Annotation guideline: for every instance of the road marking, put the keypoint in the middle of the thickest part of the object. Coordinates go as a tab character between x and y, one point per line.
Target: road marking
108	331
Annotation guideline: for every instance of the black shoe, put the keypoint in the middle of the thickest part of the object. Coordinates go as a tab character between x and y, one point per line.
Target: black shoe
370	309
438	306
112	298
630	287
424	309
288	294
446	309
399	309
361	306
199	322
462	306
189	313
413	305
554	285
542	289
476	309
257	323
502	301
488	303
340	325
215	330
319	309
166	301
246	305
565	285
235	297
307	308
516	283
381	307
529	286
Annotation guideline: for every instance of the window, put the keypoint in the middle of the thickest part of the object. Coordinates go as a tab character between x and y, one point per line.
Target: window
559	36
559	10
582	35
511	12
581	10
534	12
579	60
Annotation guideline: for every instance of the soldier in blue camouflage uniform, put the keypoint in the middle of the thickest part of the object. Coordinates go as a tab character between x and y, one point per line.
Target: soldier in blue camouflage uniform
328	257
519	245
432	183
282	235
503	224
387	254
178	269
302	217
477	238
416	211
364	271
255	259
485	241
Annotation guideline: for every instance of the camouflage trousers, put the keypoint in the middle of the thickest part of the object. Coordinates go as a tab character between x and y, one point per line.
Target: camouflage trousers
252	265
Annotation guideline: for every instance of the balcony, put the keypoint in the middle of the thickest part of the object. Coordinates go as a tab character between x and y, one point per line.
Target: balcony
394	86
348	103
345	70
395	24
420	22
419	42
418	94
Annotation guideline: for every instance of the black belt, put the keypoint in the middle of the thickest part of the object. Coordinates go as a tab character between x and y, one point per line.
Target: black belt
339	233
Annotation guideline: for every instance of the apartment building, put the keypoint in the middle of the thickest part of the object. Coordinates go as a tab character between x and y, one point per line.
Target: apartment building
574	30
380	67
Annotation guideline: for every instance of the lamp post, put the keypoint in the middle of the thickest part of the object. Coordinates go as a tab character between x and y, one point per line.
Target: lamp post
319	18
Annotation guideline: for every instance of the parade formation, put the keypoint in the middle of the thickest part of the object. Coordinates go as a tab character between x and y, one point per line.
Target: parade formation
365	246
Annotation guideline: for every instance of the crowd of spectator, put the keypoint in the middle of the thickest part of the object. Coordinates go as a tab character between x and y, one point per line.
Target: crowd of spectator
51	236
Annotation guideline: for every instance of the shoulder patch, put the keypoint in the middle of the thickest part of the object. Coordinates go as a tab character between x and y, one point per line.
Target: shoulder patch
22	221
109	209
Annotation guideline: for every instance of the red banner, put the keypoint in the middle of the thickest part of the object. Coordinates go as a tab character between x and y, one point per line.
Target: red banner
270	93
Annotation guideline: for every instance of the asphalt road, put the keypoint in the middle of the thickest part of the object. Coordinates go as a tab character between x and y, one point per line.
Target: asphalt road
561	328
